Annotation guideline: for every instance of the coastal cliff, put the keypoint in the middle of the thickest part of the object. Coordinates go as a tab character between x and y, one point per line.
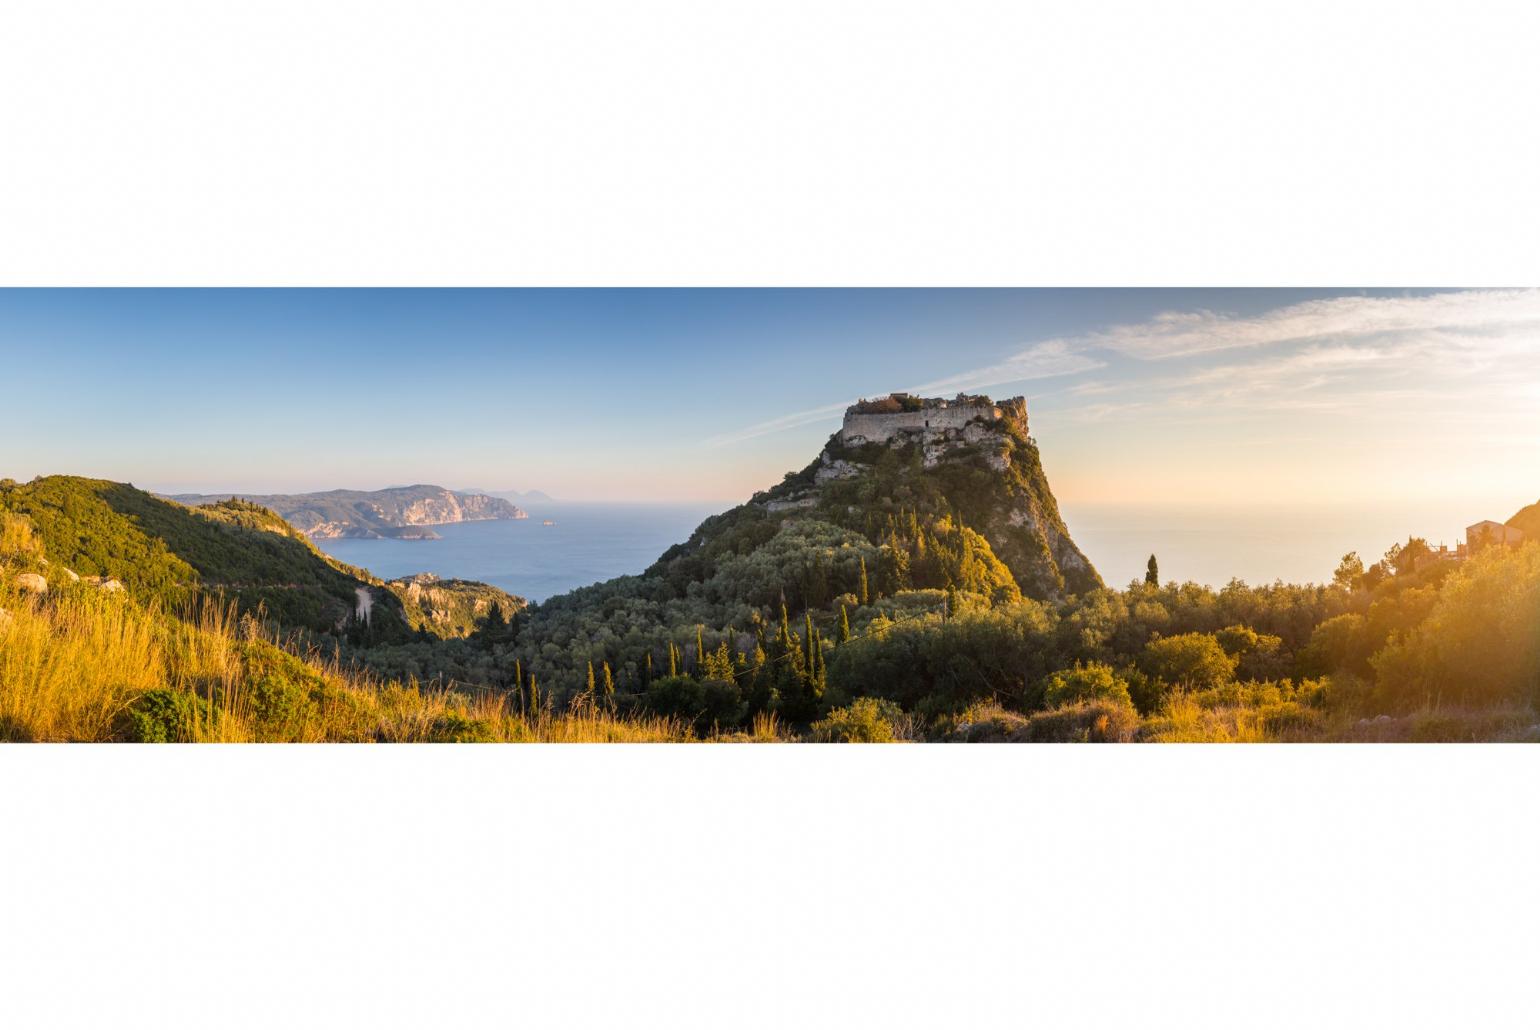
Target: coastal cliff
401	512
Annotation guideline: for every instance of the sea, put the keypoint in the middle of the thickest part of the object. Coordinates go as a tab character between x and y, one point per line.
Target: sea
1259	543
588	543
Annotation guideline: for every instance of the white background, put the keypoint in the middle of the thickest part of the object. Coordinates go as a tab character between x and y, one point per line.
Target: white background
787	143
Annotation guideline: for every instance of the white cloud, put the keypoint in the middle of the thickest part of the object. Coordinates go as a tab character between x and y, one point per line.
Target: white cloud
1178	334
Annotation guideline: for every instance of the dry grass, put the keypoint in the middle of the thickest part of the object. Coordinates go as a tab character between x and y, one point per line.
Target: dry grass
70	665
17	538
82	665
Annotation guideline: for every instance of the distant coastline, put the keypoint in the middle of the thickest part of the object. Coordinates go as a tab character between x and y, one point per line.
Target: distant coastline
397	513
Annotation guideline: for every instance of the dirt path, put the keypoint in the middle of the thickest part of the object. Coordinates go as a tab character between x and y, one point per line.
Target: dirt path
365	604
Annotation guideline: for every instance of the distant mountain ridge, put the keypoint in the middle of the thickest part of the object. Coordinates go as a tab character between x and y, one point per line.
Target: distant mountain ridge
400	512
516	496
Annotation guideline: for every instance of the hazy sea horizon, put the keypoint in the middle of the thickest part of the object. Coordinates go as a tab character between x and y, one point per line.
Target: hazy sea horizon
589	542
592	542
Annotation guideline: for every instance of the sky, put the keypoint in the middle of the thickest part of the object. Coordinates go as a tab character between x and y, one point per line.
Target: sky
1219	398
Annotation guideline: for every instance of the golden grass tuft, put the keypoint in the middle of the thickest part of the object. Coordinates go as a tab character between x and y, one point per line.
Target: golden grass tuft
75	664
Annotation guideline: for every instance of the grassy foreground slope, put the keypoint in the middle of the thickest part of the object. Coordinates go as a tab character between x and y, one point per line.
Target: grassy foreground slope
81	664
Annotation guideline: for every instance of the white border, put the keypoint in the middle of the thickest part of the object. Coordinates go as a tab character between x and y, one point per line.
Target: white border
972	143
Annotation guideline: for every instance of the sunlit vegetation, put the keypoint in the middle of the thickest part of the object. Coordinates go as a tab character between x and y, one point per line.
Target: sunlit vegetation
172	554
1416	651
891	624
81	665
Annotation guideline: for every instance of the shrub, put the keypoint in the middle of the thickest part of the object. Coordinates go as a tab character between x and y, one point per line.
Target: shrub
866	720
1337	645
701	703
455	728
166	717
1192	661
1089	722
282	698
1094	682
983	723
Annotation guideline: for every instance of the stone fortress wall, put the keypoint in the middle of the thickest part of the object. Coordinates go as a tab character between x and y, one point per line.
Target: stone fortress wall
935	417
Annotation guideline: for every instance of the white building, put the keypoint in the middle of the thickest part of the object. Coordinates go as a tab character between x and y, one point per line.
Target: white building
1489	532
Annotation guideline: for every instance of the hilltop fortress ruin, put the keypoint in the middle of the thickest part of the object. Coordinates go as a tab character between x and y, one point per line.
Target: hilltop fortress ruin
939	426
924	455
932	418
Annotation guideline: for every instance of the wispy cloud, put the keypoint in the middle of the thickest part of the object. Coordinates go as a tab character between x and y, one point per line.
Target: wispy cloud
795	420
1179	334
1336	354
1348	354
1039	362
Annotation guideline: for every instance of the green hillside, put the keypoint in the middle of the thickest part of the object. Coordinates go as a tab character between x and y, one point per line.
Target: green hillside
173	554
453	607
1527	520
918	524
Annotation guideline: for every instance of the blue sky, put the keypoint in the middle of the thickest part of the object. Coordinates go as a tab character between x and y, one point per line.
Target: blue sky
1238	397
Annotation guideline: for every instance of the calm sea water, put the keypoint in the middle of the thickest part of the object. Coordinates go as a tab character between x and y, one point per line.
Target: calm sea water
593	542
1258	545
588	543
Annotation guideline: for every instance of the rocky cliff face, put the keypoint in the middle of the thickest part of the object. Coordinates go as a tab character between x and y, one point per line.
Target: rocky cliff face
398	512
969	459
453	607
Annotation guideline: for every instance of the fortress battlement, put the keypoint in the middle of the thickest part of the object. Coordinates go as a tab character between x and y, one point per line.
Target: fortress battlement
878	421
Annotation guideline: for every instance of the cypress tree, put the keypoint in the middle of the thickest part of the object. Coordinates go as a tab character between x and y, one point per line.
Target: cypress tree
700	649
1152	573
589	691
808	642
673	659
534	695
783	638
647	670
865	594
609	687
843	634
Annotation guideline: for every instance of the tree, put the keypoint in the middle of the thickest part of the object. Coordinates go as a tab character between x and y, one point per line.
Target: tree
865	594
1192	661
843	633
609	686
1407	555
703	703
1152	573
1350	571
588	692
718	664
